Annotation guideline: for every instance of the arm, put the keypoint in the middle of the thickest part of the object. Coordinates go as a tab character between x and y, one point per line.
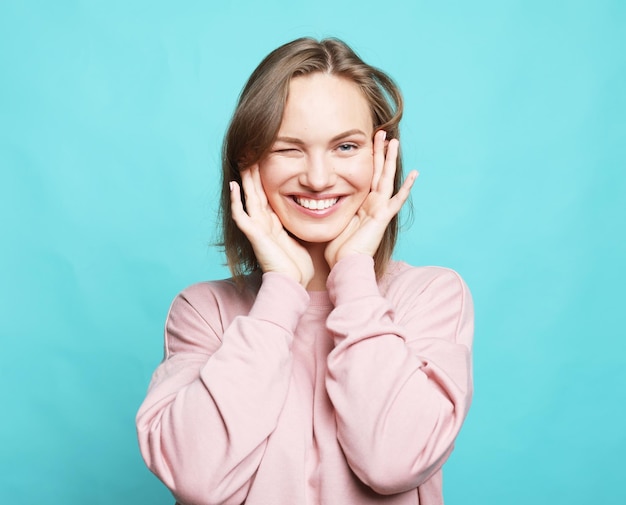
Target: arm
399	377
216	398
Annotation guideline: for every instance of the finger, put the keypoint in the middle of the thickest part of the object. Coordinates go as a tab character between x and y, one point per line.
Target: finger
379	157
250	192
255	171
396	203
236	207
385	185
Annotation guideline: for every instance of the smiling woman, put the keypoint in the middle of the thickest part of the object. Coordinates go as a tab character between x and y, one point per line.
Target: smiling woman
319	171
322	371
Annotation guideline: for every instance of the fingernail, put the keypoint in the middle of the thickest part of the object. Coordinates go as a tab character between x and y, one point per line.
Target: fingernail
384	134
231	184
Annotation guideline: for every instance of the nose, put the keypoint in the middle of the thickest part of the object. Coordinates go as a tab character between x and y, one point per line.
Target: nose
318	173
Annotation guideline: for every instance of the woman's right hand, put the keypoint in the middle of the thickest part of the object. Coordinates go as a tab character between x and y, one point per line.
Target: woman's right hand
275	250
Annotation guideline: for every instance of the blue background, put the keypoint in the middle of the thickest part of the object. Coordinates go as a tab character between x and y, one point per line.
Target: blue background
111	119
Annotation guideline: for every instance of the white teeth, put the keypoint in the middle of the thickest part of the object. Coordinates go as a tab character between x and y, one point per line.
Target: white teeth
308	203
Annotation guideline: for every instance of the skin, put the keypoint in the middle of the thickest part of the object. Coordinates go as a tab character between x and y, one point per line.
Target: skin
327	158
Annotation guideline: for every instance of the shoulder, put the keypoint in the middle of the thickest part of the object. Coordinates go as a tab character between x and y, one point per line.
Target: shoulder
203	310
429	293
205	296
419	280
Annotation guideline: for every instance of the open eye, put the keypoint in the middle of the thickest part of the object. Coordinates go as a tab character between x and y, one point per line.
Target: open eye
346	148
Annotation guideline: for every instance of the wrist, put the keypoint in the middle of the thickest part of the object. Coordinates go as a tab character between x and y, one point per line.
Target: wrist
352	278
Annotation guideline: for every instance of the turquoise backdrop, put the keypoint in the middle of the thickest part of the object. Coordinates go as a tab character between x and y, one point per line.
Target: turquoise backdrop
111	119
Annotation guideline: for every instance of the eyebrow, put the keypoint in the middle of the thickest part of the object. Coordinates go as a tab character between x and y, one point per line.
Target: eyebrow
348	133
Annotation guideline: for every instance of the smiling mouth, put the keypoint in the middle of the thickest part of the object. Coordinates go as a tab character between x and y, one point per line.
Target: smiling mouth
311	204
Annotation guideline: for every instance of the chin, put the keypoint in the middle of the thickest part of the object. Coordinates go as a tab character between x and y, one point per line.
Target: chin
315	238
306	239
314	232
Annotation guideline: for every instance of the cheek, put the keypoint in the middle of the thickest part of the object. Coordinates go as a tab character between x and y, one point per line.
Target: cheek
278	173
269	173
360	170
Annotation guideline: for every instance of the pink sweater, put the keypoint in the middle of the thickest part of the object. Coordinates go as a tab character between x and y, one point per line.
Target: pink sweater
276	395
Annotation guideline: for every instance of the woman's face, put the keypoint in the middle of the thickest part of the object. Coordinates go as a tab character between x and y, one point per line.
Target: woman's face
319	171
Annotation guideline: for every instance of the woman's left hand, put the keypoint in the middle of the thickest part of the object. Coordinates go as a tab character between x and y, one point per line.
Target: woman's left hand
366	229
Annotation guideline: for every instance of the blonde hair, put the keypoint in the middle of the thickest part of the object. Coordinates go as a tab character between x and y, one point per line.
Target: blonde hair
258	115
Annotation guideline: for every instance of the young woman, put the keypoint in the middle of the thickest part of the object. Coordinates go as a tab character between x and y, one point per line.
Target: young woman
323	371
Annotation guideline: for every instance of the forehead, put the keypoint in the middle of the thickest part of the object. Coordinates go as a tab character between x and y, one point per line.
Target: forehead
324	104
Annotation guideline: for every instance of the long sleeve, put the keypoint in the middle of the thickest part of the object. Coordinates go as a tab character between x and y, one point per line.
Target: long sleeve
400	375
218	394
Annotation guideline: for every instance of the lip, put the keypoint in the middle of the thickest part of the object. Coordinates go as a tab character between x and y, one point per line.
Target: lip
323	212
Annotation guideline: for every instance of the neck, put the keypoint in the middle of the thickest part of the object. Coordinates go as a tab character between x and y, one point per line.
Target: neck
316	251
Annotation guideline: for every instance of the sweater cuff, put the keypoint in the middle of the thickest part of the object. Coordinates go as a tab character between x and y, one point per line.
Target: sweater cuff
352	278
280	300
